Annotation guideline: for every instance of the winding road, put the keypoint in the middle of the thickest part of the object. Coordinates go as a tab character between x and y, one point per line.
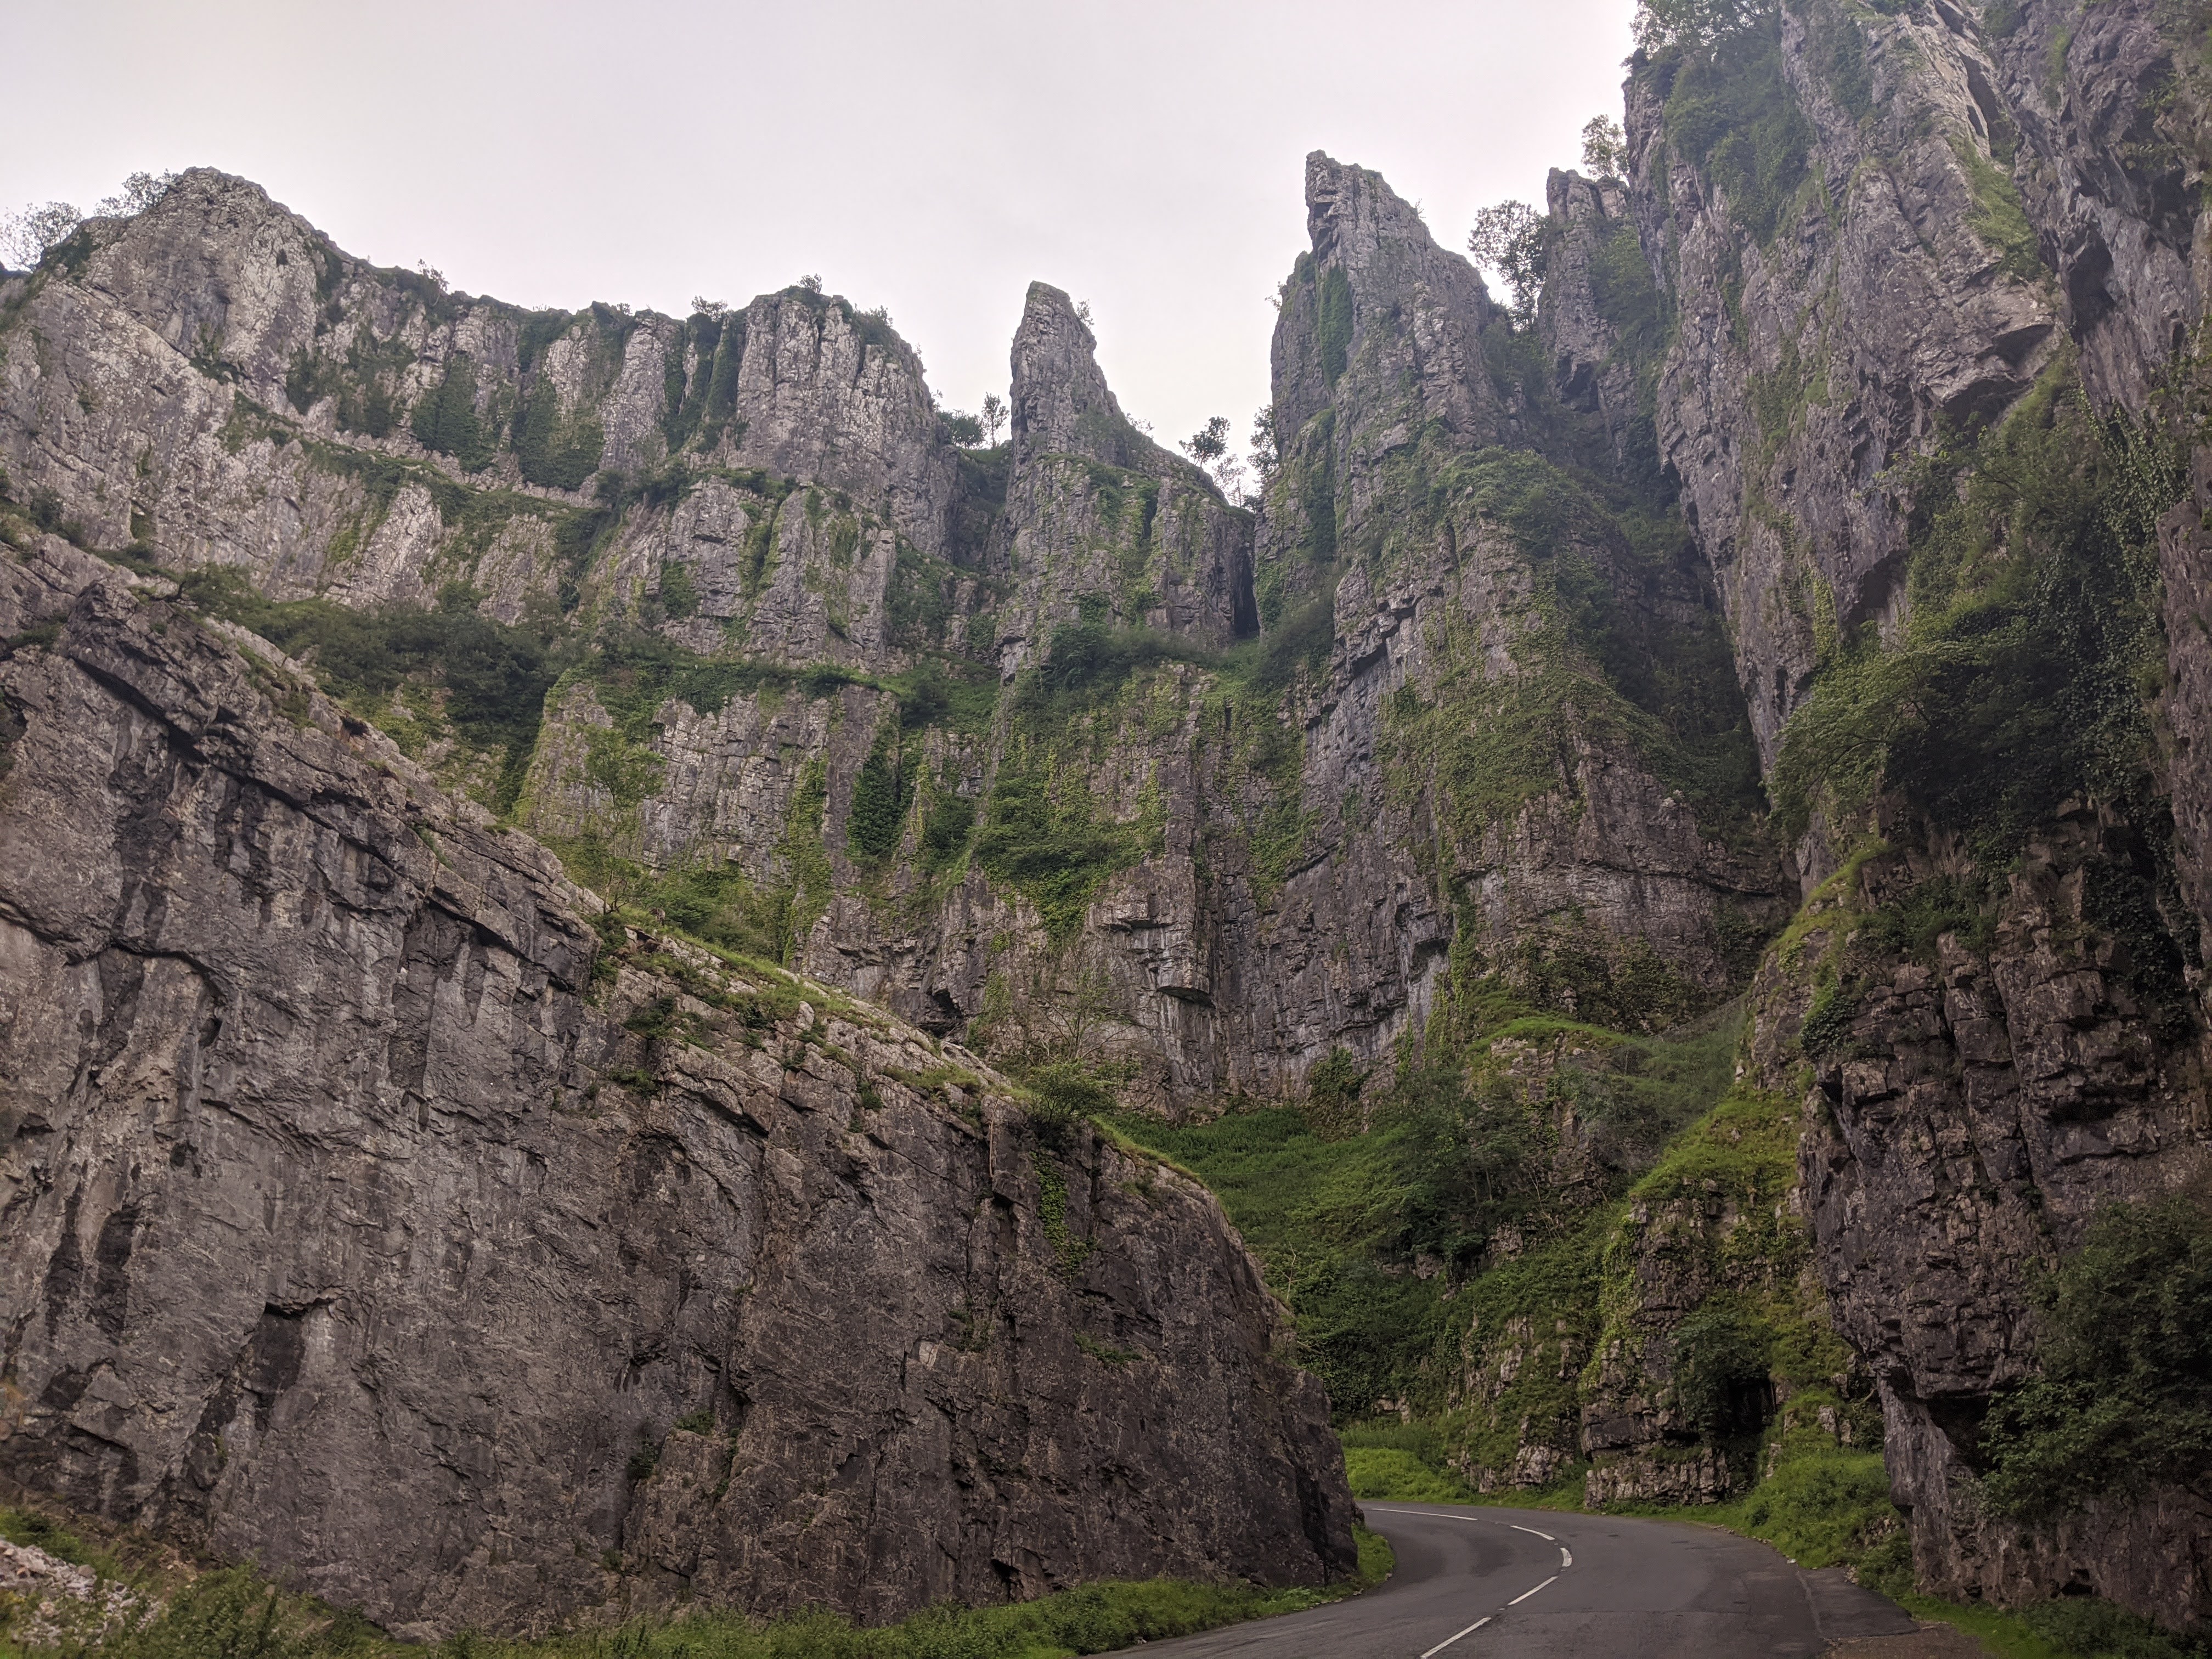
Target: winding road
1537	1584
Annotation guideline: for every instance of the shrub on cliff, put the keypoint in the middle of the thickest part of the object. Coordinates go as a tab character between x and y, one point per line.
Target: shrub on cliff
2125	1397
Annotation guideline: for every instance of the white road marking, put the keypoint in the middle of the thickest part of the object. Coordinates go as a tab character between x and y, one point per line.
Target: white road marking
1567	1560
1449	1640
1433	1515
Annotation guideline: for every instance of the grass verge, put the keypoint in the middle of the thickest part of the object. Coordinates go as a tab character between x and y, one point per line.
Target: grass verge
235	1614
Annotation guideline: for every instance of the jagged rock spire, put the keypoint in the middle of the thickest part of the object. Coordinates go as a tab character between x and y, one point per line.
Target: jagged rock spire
1380	308
1062	405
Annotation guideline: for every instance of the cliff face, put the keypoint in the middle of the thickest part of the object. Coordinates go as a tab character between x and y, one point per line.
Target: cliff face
1832	543
1963	233
343	1155
1252	855
1526	733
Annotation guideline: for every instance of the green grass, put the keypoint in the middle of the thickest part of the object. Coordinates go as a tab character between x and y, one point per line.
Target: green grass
27	1527
233	1614
1380	1472
483	680
1315	1211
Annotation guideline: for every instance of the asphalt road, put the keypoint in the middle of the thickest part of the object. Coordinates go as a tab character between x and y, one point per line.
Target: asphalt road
1533	1584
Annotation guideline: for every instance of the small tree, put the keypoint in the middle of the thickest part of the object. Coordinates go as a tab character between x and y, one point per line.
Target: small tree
811	282
26	237
964	429
993	416
139	191
1509	239
1265	455
1605	147
1209	443
705	307
1057	1014
1663	24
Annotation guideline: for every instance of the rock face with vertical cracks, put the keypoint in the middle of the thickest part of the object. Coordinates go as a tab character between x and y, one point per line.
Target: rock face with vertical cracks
1963	208
369	1216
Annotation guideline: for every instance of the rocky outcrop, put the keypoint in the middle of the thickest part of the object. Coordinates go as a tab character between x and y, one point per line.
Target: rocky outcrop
1051	744
1097	512
1465	752
371	1214
1598	307
1952	208
2185	567
229	387
1960	1136
768	491
2108	109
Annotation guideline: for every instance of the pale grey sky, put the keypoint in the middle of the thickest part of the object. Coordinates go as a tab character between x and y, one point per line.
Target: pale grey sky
931	156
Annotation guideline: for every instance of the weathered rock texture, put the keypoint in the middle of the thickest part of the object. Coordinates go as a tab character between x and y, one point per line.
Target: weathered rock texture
1277	862
1487	767
1051	745
369	1216
1985	199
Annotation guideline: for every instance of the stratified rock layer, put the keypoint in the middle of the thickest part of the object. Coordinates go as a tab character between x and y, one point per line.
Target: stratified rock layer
1475	709
368	1215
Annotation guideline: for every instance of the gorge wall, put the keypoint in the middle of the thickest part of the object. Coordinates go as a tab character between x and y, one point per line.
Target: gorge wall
1806	604
379	1211
1970	233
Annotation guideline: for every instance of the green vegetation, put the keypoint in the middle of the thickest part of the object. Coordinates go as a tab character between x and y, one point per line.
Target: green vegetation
2020	682
880	794
705	408
557	450
1090	661
28	1527
1041	836
235	1614
1588	669
1999	217
919	608
1329	1221
2123	1396
679	594
485	680
446	420
1334	323
1400	1460
1380	1195
1449	1254
1730	110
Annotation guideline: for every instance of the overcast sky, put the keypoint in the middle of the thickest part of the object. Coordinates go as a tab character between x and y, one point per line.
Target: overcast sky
926	156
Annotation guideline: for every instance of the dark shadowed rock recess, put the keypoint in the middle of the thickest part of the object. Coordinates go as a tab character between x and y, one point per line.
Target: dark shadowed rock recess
1809	608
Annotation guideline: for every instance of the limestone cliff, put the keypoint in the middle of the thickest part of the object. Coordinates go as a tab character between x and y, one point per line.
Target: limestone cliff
378	1210
1832	542
1924	269
821	601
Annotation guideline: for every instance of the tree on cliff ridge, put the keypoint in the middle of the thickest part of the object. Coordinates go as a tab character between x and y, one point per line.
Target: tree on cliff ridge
1662	23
